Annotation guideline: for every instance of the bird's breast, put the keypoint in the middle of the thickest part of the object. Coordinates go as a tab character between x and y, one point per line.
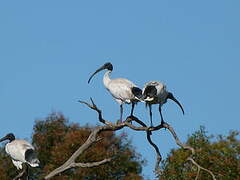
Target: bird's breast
15	151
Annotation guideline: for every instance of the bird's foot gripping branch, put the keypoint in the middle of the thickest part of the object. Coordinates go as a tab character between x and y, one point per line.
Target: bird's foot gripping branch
109	126
23	175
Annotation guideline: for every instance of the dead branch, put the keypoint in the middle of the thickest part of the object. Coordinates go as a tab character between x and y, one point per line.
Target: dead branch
159	157
184	146
109	126
149	133
199	168
94	107
70	163
93	137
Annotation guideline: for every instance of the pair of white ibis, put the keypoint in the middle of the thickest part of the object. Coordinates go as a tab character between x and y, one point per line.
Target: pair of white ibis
20	151
124	91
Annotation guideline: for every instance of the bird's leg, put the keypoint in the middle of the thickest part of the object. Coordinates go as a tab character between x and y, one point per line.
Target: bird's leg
121	112
26	172
133	104
160	111
22	175
150	111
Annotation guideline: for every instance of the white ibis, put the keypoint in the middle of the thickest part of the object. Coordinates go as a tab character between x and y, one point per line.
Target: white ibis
120	88
20	151
155	92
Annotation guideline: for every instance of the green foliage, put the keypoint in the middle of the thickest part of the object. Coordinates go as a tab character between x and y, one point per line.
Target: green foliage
55	140
219	154
7	170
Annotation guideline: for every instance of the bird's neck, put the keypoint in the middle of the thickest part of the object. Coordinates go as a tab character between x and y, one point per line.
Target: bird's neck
106	78
11	140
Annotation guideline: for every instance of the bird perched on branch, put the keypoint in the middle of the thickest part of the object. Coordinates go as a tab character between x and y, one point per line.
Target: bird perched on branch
120	88
20	151
155	92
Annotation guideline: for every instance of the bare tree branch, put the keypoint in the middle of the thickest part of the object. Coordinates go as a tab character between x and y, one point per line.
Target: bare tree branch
184	146
70	163
149	133
149	130
159	157
93	137
94	107
93	164
199	168
109	126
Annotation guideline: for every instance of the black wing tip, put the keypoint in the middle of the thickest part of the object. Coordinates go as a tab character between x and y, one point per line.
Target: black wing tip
137	92
30	154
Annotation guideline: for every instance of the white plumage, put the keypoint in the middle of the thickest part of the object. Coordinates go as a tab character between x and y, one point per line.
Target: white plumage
120	88
20	151
155	92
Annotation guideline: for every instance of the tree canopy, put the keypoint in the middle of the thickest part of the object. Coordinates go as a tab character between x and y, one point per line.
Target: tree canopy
55	140
220	154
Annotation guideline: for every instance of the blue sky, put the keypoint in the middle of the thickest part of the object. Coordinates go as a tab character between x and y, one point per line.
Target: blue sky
48	49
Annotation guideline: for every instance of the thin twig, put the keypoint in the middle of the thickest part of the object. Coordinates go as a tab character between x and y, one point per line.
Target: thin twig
184	146
198	172
200	167
94	107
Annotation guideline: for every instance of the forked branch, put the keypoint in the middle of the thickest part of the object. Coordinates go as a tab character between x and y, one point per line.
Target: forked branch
200	168
109	126
149	133
93	137
190	158
70	163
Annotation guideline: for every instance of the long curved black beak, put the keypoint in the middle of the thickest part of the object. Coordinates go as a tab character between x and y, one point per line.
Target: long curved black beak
98	70
3	139
170	96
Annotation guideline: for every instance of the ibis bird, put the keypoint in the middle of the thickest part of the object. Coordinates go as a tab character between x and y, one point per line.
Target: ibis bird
20	151
120	88
155	92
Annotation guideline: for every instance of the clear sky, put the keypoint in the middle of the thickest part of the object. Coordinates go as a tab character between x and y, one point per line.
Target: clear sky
48	49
